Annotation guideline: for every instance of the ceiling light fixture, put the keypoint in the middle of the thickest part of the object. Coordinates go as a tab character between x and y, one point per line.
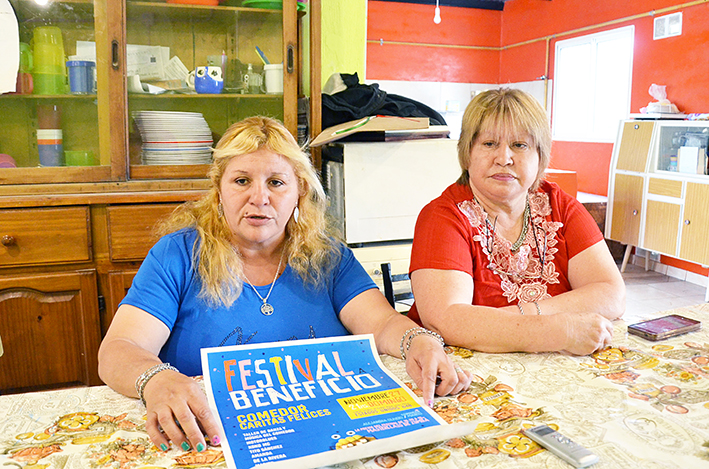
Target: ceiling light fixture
437	14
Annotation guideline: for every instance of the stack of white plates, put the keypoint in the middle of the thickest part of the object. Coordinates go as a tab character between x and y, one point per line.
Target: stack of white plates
174	137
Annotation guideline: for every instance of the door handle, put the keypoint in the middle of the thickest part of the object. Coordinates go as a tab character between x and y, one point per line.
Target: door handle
290	58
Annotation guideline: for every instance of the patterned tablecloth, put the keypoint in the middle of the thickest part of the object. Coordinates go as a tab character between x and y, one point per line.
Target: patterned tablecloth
639	404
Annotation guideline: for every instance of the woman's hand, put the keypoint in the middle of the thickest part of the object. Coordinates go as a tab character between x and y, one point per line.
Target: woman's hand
426	360
177	411
586	332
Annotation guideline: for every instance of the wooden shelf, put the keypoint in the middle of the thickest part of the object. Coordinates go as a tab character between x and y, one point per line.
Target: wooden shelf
48	96
204	96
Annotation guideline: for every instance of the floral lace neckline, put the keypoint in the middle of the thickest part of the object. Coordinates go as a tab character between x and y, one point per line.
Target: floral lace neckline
524	274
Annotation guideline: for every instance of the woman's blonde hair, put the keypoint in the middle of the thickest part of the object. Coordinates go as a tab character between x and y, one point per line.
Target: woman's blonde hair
508	109
308	248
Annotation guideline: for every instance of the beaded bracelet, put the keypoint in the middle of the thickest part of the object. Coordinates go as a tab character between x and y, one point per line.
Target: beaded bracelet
403	338
143	379
415	332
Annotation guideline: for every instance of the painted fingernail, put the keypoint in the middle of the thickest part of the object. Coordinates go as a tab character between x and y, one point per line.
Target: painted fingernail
185	446
163	446
430	403
215	440
200	447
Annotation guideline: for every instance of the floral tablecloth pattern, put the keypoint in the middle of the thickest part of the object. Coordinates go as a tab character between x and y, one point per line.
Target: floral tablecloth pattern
638	404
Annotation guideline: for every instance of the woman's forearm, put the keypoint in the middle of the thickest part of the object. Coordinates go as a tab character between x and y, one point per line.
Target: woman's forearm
498	329
604	298
121	363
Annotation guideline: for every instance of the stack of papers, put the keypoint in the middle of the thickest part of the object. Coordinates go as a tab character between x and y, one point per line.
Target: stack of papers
174	137
150	63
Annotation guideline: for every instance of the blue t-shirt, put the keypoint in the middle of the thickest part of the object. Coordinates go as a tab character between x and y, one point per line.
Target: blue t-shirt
167	286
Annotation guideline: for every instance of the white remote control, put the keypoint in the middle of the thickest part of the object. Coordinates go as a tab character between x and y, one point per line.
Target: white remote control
571	452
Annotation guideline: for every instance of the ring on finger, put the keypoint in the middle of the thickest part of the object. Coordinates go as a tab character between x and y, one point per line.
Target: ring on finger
458	369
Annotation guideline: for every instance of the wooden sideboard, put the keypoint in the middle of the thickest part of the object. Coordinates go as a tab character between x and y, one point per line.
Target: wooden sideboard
66	261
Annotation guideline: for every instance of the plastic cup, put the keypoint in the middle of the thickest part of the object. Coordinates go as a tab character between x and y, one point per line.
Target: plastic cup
81	76
48	35
6	161
24	83
26	62
48	58
80	158
50	147
49	116
49	69
49	83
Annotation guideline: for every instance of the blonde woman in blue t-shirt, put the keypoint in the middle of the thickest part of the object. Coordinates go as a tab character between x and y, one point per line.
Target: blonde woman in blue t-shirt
252	261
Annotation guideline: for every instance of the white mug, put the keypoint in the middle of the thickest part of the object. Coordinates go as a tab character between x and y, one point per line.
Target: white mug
274	78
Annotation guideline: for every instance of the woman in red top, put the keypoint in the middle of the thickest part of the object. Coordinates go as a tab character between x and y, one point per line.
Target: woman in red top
503	261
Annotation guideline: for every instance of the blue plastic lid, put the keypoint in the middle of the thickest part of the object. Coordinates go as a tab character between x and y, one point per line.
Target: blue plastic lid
80	63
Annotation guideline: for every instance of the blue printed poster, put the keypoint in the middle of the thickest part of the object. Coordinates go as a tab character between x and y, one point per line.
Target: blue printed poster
321	400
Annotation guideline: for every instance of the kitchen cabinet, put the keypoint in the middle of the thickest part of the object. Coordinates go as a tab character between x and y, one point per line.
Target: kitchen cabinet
63	271
695	224
659	188
73	236
48	326
133	40
627	208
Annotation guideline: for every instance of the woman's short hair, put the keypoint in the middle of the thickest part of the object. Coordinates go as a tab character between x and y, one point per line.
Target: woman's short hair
308	248
509	109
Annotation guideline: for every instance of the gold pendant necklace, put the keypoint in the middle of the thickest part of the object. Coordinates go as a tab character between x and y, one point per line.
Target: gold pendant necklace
266	308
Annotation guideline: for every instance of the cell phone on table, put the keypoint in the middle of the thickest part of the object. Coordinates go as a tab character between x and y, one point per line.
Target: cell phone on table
664	327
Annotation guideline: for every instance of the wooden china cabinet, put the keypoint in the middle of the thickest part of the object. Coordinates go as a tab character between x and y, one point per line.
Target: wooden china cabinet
71	236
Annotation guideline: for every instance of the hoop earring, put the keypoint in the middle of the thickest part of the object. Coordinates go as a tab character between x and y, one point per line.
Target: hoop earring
296	214
220	210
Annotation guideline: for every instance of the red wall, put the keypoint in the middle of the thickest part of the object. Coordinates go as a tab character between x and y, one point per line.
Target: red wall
413	23
680	62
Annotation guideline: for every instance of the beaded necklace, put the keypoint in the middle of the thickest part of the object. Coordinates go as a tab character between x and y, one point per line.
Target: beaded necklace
525	224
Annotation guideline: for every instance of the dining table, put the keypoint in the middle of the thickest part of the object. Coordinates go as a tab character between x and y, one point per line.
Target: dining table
635	404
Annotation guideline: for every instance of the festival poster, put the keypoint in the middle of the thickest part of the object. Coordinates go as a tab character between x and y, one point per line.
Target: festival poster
309	403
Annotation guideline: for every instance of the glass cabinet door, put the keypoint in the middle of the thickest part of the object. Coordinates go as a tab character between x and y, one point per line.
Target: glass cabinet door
127	89
50	124
193	68
682	148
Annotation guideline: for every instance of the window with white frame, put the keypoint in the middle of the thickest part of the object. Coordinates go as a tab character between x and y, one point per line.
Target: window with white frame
592	82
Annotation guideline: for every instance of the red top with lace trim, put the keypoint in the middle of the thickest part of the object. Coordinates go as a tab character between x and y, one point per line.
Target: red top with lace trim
453	233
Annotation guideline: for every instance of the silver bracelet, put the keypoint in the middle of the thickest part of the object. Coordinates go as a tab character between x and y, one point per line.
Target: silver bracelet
539	310
415	332
403	338
143	379
519	305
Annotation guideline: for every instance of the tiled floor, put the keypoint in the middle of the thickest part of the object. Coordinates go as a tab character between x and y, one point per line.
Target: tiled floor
649	292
